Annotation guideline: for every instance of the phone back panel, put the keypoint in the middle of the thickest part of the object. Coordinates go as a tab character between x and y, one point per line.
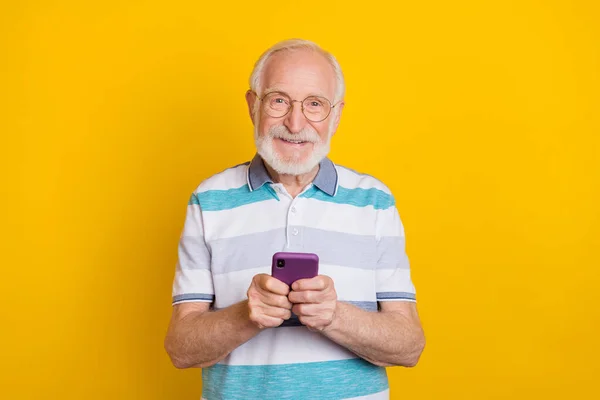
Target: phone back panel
297	266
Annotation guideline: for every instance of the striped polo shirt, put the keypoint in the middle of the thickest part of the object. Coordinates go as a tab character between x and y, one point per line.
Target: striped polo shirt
237	219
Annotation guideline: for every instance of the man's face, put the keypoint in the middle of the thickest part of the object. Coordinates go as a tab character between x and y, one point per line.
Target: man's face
293	144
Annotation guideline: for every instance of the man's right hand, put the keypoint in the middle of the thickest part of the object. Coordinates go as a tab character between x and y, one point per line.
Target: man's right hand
268	304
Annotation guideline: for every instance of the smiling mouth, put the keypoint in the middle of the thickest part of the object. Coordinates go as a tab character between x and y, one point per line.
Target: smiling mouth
293	141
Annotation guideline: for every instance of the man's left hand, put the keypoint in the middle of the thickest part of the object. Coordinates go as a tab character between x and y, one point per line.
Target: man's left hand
314	301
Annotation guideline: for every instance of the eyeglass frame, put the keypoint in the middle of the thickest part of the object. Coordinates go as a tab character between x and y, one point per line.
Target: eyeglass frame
292	101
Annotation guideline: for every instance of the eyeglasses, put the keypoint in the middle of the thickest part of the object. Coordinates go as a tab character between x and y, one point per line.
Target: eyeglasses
279	104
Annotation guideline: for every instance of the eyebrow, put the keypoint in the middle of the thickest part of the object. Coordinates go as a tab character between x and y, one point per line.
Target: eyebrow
274	89
278	89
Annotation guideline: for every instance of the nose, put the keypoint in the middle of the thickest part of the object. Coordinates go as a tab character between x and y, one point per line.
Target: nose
295	120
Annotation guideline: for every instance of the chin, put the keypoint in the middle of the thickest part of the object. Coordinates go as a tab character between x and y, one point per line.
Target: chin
296	163
289	165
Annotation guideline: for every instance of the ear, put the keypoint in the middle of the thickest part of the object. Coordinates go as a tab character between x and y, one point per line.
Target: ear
250	100
337	117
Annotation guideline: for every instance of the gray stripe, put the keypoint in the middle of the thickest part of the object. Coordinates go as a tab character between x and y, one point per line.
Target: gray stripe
335	248
391	253
365	305
194	296
395	295
193	253
245	252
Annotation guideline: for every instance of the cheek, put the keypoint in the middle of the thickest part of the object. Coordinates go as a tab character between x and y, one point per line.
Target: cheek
263	127
322	129
265	124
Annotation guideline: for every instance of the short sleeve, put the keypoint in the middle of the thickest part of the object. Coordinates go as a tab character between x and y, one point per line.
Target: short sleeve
193	279
393	278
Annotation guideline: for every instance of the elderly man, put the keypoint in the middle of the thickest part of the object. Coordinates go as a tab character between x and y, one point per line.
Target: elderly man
327	337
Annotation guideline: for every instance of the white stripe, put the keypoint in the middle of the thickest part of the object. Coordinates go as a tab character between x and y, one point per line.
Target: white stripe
193	221
394	280
230	178
232	287
192	281
337	217
247	219
351	179
389	223
286	345
351	284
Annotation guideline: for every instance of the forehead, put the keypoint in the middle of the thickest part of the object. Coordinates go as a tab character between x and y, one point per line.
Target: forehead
300	73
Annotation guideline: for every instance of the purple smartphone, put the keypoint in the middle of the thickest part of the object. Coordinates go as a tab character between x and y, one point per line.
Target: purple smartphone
289	267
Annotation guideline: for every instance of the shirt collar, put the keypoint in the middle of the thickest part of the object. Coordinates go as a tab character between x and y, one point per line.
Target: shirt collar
326	179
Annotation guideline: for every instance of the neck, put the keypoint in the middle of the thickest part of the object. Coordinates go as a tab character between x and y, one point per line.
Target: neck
294	184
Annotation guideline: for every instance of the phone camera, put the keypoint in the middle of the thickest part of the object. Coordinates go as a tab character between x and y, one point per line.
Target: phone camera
280	263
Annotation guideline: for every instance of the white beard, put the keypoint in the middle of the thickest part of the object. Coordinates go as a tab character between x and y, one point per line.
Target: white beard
291	166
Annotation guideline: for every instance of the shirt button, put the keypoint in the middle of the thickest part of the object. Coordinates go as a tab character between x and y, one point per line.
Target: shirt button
295	232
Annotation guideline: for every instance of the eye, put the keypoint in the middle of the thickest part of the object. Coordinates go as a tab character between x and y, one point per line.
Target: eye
277	101
314	103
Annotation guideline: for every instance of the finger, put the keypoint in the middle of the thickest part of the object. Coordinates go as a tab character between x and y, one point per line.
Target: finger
314	324
269	322
305	296
276	312
273	285
276	300
319	282
306	310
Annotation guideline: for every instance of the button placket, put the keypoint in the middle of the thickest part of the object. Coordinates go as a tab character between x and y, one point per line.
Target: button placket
292	220
285	198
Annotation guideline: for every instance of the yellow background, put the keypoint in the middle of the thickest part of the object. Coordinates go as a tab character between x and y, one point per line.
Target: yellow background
482	117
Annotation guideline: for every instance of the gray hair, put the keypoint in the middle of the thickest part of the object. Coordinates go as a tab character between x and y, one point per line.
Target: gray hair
294	44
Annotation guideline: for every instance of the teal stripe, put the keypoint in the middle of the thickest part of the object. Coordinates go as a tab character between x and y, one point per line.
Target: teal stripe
219	200
357	197
327	380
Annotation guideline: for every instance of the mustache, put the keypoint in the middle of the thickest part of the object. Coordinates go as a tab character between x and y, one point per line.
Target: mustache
305	135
